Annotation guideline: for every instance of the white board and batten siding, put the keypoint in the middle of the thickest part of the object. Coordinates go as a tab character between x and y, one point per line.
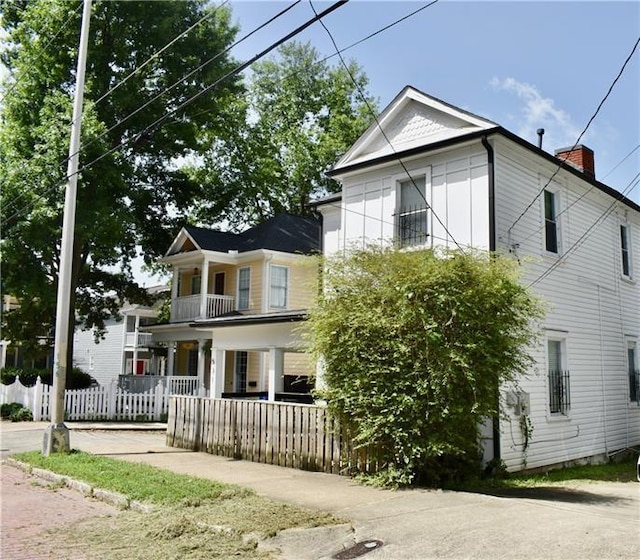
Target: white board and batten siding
103	361
456	189
591	308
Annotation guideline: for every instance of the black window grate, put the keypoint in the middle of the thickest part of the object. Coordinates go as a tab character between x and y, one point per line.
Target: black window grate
559	392
411	226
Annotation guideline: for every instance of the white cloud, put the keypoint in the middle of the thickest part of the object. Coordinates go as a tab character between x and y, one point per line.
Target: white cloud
539	112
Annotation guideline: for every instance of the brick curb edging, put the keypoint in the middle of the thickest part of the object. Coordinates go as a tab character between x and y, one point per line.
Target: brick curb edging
115	499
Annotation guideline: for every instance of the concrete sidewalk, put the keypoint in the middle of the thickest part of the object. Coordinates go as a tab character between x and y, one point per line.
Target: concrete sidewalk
584	521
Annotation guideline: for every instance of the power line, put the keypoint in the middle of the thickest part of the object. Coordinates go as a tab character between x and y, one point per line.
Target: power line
625	158
564	159
375	117
632	185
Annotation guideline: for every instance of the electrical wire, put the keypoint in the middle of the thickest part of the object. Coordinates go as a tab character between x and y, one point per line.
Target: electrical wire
577	142
375	117
630	187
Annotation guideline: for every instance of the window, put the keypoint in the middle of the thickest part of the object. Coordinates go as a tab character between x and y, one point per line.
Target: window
196	282
559	393
240	377
412	213
550	221
625	250
192	362
634	374
279	286
244	279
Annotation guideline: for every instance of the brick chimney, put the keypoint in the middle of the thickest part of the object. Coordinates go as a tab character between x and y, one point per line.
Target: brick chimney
579	157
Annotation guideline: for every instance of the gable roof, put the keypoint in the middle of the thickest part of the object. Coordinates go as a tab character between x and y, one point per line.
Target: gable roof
411	120
285	232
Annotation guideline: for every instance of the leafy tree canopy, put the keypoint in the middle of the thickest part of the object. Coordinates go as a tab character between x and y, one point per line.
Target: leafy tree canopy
132	196
415	346
299	116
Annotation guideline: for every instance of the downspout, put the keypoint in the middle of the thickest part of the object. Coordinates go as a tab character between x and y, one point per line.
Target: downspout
492	248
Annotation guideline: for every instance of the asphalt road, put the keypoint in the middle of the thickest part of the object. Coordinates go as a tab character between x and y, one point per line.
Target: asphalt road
578	521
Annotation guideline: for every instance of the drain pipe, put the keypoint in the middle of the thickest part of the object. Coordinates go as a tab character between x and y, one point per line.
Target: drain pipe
492	248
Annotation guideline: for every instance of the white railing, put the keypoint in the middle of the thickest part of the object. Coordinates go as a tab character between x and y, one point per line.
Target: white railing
106	402
144	340
176	385
187	308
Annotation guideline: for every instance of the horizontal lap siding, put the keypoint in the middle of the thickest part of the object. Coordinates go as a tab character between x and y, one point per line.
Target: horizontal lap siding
586	299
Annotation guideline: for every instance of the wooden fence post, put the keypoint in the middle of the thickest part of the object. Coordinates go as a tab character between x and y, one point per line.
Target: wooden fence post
112	397
37	400
158	401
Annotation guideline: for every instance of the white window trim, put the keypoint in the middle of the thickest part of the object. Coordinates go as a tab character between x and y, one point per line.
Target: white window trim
397	203
238	289
627	226
557	192
631	342
287	287
564	349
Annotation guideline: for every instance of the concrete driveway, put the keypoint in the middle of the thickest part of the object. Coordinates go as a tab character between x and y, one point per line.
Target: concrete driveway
578	521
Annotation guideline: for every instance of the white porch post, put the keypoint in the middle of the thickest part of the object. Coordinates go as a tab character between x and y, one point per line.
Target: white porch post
135	345
123	368
174	290
201	361
171	348
276	372
217	372
204	288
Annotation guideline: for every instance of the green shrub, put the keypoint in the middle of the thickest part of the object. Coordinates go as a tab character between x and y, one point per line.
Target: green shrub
16	412
415	345
76	379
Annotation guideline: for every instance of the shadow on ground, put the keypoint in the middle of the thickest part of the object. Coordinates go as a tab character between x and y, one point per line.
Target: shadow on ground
553	494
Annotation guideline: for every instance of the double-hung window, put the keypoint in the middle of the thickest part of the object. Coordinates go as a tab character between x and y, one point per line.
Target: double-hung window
625	250
551	221
244	282
559	390
412	212
279	286
634	374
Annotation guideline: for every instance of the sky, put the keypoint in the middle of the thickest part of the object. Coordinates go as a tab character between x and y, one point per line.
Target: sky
523	65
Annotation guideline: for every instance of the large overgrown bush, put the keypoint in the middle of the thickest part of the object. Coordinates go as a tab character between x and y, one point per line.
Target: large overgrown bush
76	378
415	346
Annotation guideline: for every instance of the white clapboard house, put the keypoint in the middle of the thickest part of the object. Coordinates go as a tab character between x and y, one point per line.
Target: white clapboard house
578	241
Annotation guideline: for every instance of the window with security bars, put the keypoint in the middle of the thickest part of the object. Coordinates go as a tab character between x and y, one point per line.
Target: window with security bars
411	217
634	374
559	388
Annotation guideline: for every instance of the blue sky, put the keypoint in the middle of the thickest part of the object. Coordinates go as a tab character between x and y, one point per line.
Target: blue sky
524	65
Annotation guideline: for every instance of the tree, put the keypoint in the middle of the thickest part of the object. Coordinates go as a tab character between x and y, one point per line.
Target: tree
131	191
299	116
415	347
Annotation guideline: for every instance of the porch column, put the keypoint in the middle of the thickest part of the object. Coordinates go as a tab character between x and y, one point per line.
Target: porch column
201	360
135	344
276	372
175	280
204	288
123	368
216	383
171	350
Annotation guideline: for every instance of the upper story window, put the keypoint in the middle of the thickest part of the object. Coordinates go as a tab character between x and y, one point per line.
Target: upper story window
244	281
411	218
279	286
559	389
551	237
634	374
625	250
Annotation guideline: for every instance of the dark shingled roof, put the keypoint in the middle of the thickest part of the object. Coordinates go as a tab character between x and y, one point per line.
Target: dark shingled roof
284	232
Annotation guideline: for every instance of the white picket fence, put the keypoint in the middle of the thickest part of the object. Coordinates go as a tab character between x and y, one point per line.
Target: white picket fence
106	402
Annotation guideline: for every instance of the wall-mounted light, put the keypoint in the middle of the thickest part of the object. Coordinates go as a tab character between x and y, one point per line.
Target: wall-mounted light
196	270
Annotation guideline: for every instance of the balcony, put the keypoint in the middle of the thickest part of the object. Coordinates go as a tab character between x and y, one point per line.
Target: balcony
144	340
187	308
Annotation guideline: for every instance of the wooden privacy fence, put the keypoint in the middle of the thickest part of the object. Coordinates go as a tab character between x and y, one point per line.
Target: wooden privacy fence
290	435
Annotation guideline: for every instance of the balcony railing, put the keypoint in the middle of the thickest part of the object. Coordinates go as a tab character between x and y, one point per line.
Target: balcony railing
176	385
144	340
559	392
187	308
411	226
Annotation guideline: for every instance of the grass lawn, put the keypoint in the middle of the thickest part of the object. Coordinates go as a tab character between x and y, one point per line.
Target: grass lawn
192	517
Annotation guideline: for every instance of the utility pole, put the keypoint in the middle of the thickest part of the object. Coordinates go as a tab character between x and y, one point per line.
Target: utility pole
56	436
